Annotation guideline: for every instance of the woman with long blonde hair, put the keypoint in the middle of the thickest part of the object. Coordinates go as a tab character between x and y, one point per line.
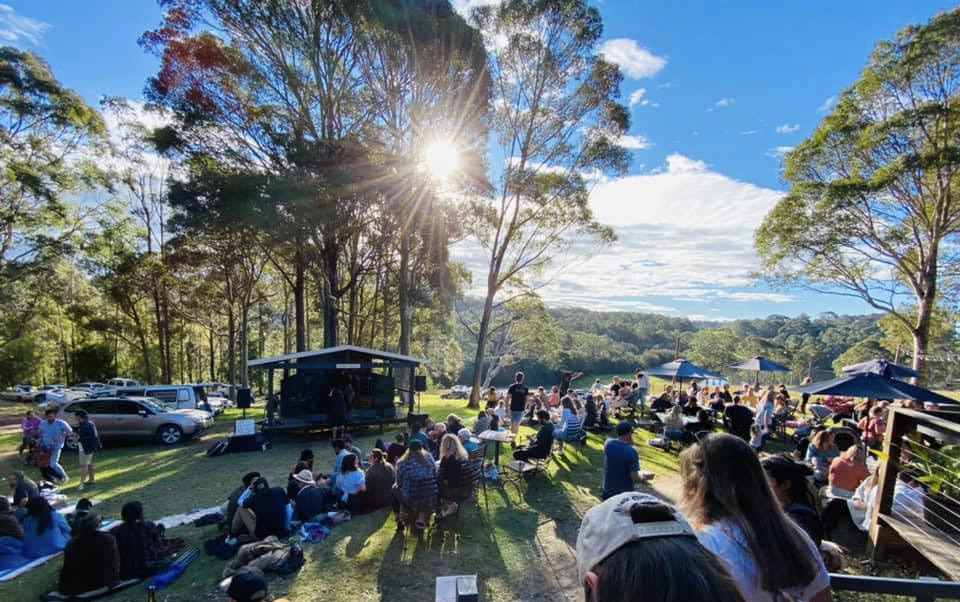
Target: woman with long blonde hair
453	475
730	503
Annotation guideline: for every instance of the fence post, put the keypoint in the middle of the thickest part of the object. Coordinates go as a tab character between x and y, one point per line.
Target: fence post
896	428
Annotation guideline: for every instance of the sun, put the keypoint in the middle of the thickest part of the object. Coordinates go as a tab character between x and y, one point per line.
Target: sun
440	159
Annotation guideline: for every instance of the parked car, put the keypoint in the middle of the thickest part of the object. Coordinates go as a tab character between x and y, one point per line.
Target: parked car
124	417
89	387
122	382
176	397
59	396
457	392
19	393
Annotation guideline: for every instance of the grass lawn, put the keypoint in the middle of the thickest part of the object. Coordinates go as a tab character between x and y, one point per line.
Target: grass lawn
518	539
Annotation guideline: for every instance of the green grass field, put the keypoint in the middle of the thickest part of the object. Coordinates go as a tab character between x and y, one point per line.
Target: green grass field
518	538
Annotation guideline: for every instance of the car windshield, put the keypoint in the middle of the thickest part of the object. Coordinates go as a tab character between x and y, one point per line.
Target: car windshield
154	405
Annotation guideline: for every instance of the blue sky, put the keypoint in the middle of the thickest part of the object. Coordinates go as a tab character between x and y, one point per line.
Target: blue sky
726	88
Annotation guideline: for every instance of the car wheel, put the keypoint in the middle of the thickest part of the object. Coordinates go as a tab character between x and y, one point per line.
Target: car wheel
170	434
71	444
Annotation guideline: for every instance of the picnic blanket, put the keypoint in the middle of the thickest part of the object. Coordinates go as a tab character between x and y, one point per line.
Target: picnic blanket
186	517
100	592
14	573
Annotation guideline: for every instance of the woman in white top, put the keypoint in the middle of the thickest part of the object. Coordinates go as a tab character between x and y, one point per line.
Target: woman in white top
729	501
350	483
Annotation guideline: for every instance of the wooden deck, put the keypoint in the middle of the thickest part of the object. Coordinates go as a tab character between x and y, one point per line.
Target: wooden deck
933	544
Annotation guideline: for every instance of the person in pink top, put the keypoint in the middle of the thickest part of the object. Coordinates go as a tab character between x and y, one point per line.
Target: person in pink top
873	427
848	469
30	431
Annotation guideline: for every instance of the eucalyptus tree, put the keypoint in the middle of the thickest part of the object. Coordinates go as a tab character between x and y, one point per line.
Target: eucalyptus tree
873	210
554	118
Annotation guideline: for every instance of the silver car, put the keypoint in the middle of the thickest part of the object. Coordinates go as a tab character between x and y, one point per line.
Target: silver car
139	418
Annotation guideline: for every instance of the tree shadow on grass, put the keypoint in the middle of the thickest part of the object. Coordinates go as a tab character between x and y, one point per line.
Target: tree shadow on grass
364	527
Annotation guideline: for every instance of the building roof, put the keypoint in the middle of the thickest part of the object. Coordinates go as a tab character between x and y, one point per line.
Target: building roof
289	357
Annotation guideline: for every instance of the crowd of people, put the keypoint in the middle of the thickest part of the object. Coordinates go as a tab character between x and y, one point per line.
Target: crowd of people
748	526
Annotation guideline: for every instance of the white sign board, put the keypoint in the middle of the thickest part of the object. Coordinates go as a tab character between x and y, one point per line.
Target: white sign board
348	366
244	427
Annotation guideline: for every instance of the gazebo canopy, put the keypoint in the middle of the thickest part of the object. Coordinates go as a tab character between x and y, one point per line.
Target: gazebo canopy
760	364
868	384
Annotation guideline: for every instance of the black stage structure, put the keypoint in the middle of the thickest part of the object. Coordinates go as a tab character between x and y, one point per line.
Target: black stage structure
383	384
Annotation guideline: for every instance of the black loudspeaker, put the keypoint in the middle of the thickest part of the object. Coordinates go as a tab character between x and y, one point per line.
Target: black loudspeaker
420	383
244	397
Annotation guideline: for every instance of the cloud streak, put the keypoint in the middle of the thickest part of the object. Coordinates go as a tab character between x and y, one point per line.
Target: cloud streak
16	28
787	128
634	60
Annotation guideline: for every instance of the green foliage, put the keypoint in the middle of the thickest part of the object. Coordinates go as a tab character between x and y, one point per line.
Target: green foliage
872	209
863	351
93	362
714	349
940	469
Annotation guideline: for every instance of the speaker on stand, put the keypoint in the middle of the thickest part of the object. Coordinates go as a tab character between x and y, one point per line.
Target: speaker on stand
244	399
419	385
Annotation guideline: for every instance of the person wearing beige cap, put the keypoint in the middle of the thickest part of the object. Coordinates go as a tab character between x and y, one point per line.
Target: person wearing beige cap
635	547
309	501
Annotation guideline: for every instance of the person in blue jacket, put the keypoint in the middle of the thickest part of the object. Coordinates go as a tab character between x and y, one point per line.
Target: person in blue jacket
45	532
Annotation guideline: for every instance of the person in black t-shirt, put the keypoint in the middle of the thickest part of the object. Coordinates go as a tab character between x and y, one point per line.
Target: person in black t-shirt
269	508
518	402
737	419
542	444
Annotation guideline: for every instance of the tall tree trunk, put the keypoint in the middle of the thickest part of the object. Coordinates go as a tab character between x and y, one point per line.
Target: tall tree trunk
244	343
403	295
213	354
232	351
299	301
926	300
482	334
331	302
161	331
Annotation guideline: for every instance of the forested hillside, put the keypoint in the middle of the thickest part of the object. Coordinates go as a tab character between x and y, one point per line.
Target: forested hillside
544	343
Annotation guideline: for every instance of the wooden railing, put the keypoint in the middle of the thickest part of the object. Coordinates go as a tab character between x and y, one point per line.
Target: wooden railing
910	435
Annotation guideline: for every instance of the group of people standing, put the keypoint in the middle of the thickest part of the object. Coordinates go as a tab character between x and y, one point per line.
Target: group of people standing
45	439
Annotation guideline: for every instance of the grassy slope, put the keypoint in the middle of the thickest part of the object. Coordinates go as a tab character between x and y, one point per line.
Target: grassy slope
363	559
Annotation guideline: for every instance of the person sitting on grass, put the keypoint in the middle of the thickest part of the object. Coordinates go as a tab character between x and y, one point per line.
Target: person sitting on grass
436	435
340	452
304	463
91	559
621	463
590	417
351	448
84	507
22	490
542	444
45	531
453	475
11	538
310	499
416	488
264	510
618	556
397	448
454	424
416	433
673	428
9	525
236	528
380	479
350	483
140	543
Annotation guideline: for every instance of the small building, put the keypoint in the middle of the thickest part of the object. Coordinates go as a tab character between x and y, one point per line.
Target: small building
382	384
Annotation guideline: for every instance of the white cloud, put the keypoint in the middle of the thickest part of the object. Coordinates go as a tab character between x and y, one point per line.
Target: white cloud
685	236
635	61
787	128
15	27
723	102
748	132
779	152
634	142
827	105
465	6
637	96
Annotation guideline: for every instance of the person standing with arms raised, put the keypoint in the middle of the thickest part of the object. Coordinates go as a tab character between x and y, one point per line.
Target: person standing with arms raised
517	393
